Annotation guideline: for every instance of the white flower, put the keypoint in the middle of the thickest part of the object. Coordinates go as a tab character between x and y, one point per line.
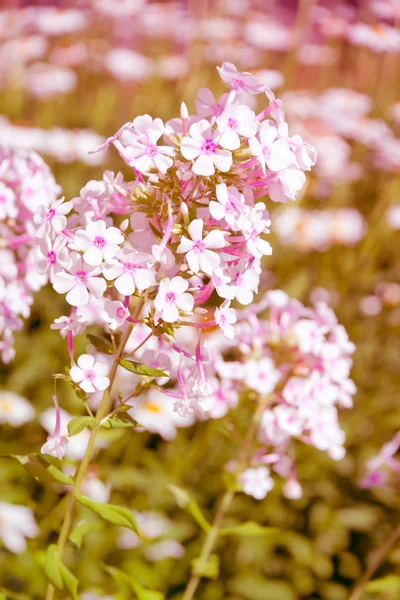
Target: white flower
52	219
16	523
271	151
236	120
14	409
114	313
130	271
287	185
225	317
171	298
56	445
8	203
256	482
230	206
99	242
79	281
202	145
261	375
90	374
198	253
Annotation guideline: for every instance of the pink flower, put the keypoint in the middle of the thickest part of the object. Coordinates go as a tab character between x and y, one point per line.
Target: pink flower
198	254
240	81
206	104
287	185
130	270
230	206
90	374
272	152
55	446
261	375
8	203
202	147
66	324
143	150
256	482
55	256
225	317
236	120
80	279
171	298
98	241
114	313
52	219
244	284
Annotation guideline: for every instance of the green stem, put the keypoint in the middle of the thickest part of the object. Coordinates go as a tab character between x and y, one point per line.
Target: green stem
81	472
226	500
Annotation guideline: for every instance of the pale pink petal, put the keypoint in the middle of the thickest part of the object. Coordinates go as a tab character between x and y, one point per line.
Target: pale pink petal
125	284
63	282
170	313
215	239
190	148
222	160
204	165
101	383
77	374
195	229
78	295
97	286
86	361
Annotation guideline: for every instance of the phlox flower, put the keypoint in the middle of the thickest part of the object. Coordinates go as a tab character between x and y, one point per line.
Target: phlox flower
16	523
53	219
271	151
207	105
244	283
230	206
98	242
15	409
220	281
225	317
202	146
287	185
143	151
8	204
114	313
65	324
54	256
236	120
198	251
90	374
256	482
261	375
78	281
171	298
56	445
130	271
240	81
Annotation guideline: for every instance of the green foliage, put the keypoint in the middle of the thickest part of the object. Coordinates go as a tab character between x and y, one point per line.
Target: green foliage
128	583
58	574
78	424
139	369
118	515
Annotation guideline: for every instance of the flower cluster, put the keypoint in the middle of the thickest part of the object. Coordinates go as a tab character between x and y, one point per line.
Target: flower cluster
25	184
187	225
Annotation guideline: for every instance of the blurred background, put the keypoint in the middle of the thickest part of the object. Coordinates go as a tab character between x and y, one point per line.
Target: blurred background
71	73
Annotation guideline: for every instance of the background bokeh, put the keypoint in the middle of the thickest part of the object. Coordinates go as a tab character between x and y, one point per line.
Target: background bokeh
72	74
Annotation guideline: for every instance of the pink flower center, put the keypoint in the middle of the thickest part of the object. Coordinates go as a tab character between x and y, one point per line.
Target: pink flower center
3	198
81	276
151	150
129	266
90	375
208	147
266	152
99	242
120	312
52	257
232	123
170	297
50	214
199	247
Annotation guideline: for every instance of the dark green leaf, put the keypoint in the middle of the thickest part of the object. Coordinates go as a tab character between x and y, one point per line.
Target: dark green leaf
139	369
52	567
41	469
70	581
78	424
118	515
119	421
101	344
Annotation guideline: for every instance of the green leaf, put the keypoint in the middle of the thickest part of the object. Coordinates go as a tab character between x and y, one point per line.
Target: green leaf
118	515
78	424
139	369
183	500
127	582
209	568
70	581
249	528
101	344
52	567
389	583
119	421
42	469
84	527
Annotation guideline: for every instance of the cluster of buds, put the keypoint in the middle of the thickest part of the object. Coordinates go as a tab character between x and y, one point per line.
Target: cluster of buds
26	183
